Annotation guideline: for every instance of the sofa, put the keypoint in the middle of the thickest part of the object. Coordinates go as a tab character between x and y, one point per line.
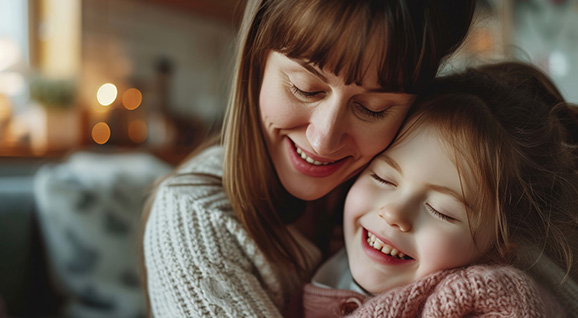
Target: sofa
70	235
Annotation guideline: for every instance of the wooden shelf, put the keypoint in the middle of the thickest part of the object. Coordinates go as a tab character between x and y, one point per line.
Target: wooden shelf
171	155
226	10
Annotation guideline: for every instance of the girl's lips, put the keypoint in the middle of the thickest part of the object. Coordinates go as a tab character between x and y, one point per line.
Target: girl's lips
309	169
379	256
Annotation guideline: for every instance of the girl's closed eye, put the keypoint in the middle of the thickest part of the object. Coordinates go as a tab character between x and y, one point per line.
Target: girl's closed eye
382	180
438	214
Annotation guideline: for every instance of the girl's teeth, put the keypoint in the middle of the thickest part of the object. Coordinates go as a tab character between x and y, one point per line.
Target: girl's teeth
374	242
386	249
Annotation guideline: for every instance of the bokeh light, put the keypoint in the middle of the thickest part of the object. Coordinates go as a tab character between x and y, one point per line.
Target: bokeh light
137	131
10	52
106	94
11	83
100	133
131	99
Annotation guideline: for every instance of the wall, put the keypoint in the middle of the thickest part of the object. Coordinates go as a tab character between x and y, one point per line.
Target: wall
546	34
123	40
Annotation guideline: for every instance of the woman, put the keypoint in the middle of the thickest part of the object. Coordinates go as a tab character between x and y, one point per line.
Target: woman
321	87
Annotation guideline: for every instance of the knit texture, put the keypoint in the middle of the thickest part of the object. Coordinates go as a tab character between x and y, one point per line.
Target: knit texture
200	260
475	291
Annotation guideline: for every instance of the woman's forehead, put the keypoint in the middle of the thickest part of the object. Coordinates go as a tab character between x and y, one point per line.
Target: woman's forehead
352	44
369	78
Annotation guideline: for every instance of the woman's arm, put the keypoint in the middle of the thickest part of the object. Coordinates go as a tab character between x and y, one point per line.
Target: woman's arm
201	262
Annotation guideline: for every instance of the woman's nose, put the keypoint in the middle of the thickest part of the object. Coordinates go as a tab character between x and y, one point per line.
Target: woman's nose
327	127
396	216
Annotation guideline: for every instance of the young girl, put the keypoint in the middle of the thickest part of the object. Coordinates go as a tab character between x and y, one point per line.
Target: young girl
482	175
316	84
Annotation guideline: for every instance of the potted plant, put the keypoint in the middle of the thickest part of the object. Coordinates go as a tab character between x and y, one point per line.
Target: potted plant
56	125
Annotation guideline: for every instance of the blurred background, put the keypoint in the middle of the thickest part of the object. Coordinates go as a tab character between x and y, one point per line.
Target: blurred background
98	98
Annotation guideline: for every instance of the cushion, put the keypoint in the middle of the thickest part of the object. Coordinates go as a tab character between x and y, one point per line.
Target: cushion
90	217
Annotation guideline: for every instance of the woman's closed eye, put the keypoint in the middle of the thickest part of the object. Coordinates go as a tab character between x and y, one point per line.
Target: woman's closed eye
303	94
364	111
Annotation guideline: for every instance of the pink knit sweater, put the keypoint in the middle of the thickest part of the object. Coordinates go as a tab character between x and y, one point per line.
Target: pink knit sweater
475	291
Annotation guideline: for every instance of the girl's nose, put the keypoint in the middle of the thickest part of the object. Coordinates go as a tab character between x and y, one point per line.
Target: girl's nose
396	217
327	127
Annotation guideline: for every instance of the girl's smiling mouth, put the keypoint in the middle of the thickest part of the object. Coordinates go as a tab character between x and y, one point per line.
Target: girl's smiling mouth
382	252
377	244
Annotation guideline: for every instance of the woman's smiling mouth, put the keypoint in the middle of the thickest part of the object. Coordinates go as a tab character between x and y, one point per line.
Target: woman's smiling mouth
310	160
310	165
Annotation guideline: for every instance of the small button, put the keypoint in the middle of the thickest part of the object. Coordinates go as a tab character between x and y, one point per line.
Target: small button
349	306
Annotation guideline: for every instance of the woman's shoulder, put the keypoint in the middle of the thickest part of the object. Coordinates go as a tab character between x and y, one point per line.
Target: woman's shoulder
208	162
192	201
195	187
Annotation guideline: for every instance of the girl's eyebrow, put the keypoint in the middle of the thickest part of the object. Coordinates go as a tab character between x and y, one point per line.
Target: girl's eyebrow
392	163
449	192
438	188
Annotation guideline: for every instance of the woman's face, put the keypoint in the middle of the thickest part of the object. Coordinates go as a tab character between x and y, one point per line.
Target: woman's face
319	131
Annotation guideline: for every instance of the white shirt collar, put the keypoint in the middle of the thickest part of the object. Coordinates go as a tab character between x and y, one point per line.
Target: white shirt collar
335	273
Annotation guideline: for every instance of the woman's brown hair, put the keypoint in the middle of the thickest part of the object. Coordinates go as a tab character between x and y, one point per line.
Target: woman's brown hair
408	39
514	134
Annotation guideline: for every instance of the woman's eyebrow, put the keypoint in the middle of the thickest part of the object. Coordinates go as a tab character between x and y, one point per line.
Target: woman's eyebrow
310	68
315	72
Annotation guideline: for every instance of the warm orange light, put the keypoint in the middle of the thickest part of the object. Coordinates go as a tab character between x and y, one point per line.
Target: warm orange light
137	131
106	94
131	99
101	133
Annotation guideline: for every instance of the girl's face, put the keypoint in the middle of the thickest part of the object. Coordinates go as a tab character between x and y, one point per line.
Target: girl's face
405	216
319	131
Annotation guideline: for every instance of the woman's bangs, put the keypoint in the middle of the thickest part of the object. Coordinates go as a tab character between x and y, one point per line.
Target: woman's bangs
344	38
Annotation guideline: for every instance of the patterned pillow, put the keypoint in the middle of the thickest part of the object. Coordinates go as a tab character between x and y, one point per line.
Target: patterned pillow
90	216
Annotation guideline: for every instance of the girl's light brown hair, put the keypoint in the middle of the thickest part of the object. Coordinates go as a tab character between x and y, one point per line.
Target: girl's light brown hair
512	132
408	39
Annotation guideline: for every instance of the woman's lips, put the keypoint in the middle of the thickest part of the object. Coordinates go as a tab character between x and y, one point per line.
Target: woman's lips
378	255
312	166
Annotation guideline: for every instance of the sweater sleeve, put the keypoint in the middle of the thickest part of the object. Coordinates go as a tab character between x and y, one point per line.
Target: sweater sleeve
487	291
475	291
200	261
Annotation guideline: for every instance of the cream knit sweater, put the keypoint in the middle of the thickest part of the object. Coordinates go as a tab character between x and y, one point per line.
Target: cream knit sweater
200	260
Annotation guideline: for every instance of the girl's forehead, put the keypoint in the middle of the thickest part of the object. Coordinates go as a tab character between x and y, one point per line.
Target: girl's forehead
450	146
